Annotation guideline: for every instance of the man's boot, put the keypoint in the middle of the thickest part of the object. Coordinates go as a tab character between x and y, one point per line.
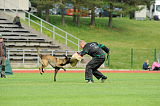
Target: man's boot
3	72
103	79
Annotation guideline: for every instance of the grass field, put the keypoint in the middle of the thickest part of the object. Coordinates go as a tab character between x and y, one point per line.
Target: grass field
121	89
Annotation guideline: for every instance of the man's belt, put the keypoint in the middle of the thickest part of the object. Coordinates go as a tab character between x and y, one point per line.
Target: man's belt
101	55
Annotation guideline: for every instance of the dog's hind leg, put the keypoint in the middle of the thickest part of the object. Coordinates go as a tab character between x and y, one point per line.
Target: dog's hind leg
41	69
55	74
63	68
45	64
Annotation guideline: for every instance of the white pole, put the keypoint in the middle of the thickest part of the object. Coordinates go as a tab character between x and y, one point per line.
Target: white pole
23	55
66	52
66	39
53	34
41	26
4	5
37	60
29	19
78	44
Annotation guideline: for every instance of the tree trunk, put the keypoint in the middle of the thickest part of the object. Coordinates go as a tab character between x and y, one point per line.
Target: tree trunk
78	17
47	18
131	14
92	18
39	13
74	15
110	20
110	16
63	21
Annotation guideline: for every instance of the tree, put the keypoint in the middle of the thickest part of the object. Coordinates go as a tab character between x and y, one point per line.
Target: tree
91	5
44	5
148	3
77	11
62	6
111	6
125	6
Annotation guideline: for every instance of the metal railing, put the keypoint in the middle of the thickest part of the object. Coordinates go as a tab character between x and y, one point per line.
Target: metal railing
22	54
130	59
44	25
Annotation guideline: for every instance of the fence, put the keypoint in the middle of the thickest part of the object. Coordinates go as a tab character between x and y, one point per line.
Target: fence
24	56
132	58
118	59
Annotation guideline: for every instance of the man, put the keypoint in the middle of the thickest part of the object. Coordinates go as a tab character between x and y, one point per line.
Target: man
96	51
2	57
17	21
146	65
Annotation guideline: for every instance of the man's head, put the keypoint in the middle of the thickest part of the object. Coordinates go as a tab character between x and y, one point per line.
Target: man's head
1	39
82	44
147	61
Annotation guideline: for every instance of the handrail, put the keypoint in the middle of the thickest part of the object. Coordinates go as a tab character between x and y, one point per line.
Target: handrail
54	28
24	52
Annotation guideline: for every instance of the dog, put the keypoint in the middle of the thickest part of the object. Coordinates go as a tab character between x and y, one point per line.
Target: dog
55	62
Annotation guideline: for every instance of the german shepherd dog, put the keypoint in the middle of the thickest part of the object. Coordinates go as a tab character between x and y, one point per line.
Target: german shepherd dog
55	62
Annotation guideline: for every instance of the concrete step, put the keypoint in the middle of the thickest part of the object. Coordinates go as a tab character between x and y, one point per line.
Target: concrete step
8	25
34	50
35	45
17	34
23	38
14	42
2	18
36	55
13	30
11	27
53	47
30	44
17	31
3	21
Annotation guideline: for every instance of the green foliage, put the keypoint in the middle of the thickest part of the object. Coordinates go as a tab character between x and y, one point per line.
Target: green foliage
44	5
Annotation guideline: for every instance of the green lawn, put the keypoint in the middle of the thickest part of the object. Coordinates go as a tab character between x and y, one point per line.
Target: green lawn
121	89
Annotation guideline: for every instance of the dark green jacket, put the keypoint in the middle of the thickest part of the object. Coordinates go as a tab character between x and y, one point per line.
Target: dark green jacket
95	50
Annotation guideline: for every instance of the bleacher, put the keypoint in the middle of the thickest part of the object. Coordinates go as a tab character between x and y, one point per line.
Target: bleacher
21	44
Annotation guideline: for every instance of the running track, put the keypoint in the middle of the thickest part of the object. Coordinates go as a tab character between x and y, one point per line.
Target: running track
81	71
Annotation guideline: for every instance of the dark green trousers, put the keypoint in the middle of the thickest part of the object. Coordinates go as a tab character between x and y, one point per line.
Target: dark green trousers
92	68
3	63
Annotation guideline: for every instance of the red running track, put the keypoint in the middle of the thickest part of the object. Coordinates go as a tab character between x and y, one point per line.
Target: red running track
81	71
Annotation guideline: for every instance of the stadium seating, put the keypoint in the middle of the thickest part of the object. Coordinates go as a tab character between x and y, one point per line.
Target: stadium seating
21	44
